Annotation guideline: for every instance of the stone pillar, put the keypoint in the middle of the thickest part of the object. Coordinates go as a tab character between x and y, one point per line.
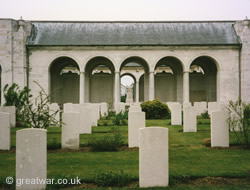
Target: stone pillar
176	113
82	86
137	92
5	137
136	120
129	98
31	157
185	86
189	117
70	130
219	129
117	87
151	86
153	157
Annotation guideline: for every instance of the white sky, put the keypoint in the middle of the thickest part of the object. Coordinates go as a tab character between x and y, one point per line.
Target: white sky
101	10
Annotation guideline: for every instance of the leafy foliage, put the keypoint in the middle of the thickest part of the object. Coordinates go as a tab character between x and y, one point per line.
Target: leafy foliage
111	179
15	97
156	110
108	143
204	115
239	121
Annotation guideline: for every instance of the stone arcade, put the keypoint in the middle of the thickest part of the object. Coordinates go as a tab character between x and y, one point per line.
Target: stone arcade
82	62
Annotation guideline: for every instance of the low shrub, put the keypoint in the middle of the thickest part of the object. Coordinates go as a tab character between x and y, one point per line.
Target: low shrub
156	110
111	179
108	143
204	115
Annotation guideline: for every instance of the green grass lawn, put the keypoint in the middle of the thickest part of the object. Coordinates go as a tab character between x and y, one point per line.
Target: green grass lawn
187	157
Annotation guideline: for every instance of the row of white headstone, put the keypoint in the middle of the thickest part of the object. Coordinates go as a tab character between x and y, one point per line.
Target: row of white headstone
219	116
78	119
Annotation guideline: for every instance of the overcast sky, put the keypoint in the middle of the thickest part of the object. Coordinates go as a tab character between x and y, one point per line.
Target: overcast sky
103	10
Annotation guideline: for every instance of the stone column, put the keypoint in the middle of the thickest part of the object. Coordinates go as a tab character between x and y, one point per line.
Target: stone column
82	86
137	92
117	86
151	86
185	86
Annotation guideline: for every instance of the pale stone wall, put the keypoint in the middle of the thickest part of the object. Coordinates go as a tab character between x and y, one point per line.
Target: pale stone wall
13	35
13	61
243	31
226	57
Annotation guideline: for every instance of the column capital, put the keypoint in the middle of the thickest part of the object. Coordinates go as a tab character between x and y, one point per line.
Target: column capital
82	72
117	72
186	71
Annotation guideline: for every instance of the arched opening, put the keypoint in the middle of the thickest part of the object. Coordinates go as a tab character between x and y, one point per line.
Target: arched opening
202	80
128	88
99	80
137	67
169	80
64	81
0	85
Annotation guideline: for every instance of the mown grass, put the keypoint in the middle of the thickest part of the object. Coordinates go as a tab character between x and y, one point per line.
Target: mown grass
187	156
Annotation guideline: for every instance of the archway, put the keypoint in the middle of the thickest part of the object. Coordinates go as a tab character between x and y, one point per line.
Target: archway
138	67
169	80
128	81
99	80
64	81
202	79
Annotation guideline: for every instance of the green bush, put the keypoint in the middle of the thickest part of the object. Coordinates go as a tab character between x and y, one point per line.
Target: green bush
156	110
108	143
204	115
15	97
111	179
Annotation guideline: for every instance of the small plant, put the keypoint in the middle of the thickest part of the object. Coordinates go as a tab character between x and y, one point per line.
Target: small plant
239	121
112	179
156	110
108	143
38	115
121	118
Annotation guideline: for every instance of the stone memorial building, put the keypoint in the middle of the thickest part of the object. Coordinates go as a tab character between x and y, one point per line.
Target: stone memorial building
82	62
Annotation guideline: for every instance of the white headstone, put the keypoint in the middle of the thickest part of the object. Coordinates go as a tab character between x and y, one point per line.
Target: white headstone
213	106
93	118
119	107
176	114
136	120
186	104
70	130
96	114
135	108
54	107
200	107
31	157
67	107
85	120
104	109
5	137
189	119
219	129
12	111
153	157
